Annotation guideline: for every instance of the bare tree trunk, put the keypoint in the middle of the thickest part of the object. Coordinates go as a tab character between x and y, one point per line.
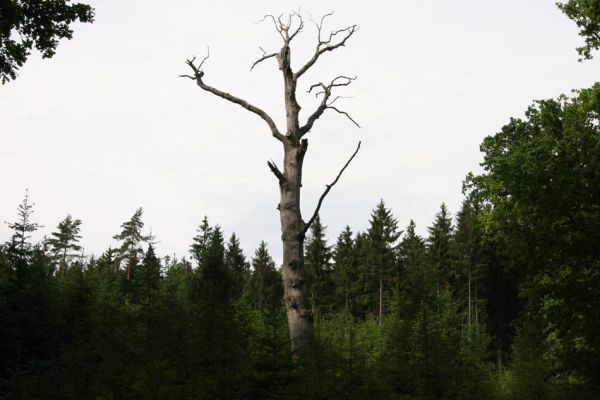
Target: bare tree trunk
299	312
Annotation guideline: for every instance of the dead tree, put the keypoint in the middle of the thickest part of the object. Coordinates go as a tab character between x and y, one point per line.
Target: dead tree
293	227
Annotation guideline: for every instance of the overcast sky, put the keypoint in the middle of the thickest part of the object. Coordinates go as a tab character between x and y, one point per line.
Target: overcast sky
106	126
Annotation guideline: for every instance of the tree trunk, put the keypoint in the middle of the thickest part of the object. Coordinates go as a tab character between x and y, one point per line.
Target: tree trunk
299	314
293	228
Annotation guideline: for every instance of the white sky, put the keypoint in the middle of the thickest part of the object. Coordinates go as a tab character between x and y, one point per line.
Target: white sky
106	125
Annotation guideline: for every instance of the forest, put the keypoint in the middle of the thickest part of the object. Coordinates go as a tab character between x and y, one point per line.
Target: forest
499	300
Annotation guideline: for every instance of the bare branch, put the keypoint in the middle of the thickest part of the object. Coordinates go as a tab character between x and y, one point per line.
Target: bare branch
276	171
326	45
264	57
328	188
277	27
346	114
338	81
199	74
300	24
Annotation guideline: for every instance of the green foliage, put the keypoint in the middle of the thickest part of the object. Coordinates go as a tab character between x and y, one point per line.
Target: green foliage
586	14
265	289
19	246
131	238
28	24
64	241
542	194
317	264
380	268
344	272
438	247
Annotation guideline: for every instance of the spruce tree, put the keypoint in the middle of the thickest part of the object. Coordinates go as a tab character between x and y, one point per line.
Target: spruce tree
265	286
383	235
317	264
438	247
236	264
200	242
344	271
19	246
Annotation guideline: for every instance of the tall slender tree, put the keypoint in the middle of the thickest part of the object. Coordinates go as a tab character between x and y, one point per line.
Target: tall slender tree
344	270
22	228
438	247
295	145
383	235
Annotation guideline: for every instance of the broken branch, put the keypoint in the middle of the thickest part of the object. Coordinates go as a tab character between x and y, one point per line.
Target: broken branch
276	171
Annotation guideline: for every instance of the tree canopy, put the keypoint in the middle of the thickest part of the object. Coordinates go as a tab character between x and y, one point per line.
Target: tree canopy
39	24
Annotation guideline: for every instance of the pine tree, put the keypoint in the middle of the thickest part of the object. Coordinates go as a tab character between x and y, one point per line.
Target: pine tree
317	262
132	238
64	241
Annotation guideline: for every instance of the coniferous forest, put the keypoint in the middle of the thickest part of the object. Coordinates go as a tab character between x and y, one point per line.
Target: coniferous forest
500	299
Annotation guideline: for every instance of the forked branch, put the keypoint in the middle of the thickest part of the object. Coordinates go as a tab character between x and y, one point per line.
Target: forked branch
326	101
328	188
285	28
328	44
197	76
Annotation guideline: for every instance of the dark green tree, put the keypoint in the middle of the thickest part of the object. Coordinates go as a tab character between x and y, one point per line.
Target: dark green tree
200	242
131	238
382	258
28	24
344	271
468	262
19	246
64	241
541	187
265	287
586	14
236	263
412	254
438	247
270	333
317	264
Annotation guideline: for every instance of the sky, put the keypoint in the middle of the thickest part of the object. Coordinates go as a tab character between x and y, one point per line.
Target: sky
107	126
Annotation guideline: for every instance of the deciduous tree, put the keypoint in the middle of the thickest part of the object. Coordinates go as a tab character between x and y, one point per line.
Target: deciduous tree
25	24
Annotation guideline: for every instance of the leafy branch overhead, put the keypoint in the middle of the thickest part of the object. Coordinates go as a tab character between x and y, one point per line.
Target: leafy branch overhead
586	14
29	24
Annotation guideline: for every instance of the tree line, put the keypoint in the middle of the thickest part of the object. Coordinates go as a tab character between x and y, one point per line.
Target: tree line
498	301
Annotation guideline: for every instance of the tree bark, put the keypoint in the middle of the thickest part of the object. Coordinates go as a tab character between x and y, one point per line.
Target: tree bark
299	313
